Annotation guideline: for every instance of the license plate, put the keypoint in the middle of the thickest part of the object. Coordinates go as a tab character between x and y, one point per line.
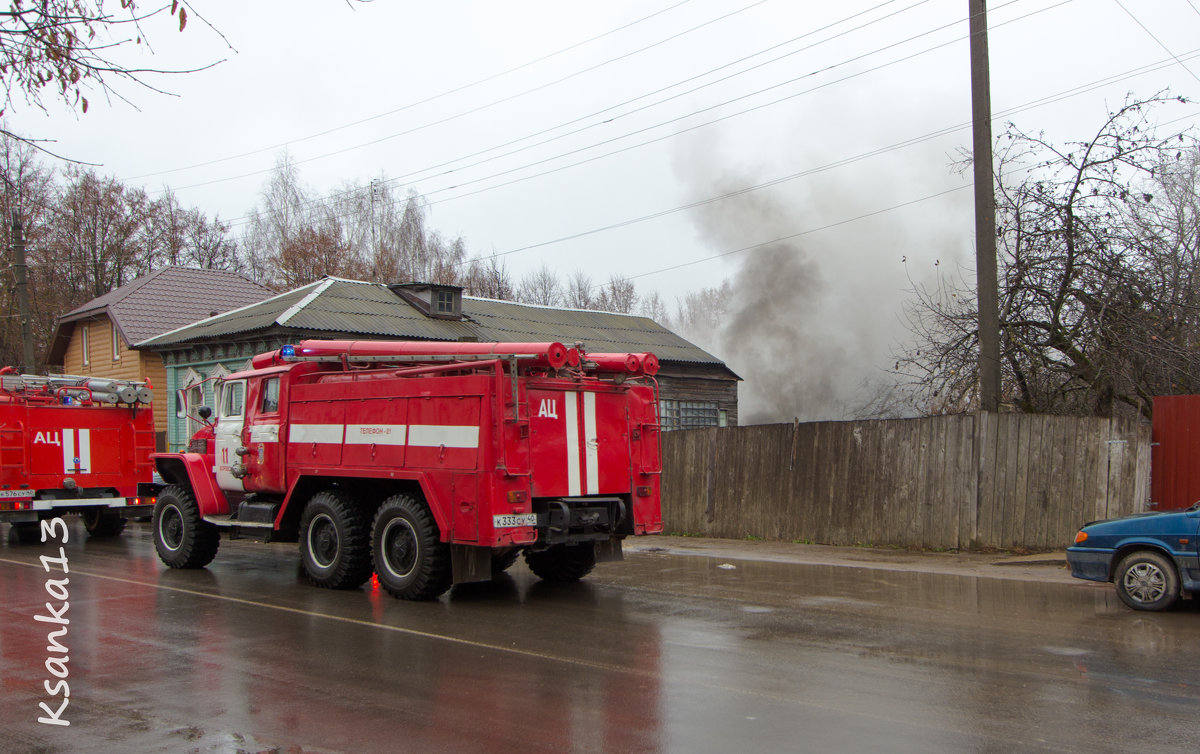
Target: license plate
514	519
16	494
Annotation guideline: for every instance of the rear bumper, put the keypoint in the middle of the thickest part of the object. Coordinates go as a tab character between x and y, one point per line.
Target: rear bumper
18	511
1092	565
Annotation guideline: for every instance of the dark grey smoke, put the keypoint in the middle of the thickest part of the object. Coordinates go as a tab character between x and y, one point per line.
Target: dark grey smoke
813	325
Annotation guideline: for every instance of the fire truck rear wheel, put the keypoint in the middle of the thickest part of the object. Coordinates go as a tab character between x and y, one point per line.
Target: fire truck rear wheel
182	537
100	522
501	563
411	561
562	562
25	533
335	541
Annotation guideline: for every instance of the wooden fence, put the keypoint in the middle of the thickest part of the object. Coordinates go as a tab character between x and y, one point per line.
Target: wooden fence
1008	481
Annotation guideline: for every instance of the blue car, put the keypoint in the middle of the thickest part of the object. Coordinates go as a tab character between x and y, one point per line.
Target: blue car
1153	558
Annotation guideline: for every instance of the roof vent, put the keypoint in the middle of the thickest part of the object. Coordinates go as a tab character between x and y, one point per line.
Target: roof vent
431	299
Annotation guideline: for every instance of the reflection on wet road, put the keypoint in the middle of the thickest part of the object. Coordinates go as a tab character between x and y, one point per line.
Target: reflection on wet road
662	652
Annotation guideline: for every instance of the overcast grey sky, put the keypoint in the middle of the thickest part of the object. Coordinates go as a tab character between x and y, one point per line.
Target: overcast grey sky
529	121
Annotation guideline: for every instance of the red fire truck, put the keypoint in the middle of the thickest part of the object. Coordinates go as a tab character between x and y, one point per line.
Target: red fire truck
74	445
426	463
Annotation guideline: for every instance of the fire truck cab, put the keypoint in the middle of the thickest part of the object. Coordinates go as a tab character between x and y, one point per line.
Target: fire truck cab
425	463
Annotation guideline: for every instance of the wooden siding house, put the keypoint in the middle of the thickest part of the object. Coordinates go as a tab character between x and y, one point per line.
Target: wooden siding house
97	339
696	388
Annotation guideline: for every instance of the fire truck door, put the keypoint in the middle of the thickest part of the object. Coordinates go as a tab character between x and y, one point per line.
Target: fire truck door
580	443
228	435
264	462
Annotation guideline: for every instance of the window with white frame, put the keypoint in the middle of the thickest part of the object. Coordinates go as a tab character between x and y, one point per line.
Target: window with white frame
188	398
83	344
116	341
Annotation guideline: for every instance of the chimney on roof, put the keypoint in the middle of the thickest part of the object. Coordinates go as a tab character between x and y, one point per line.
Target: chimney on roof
431	299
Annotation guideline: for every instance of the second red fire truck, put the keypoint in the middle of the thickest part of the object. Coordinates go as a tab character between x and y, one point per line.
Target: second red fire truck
427	464
73	444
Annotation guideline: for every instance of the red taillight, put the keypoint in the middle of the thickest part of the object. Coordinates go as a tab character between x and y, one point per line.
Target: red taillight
643	490
516	497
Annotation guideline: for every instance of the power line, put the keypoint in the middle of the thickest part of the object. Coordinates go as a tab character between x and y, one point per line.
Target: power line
237	221
694	113
1156	39
1040	102
449	118
411	174
427	100
793	236
480	108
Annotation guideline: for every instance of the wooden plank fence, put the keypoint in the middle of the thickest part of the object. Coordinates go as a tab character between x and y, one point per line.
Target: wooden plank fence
1006	481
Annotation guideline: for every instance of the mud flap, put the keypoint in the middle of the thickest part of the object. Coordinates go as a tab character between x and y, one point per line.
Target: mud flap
609	551
470	563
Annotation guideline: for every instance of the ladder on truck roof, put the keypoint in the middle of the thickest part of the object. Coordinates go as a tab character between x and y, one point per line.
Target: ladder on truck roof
69	389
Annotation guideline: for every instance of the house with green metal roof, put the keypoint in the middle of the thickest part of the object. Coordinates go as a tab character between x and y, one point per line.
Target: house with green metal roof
696	388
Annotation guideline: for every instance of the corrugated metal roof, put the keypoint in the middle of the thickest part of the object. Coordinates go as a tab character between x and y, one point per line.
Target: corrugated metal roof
351	307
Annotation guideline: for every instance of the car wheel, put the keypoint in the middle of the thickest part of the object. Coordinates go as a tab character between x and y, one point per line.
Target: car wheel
1147	581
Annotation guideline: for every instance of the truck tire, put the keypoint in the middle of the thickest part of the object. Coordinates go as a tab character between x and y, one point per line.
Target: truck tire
182	537
411	561
1147	580
335	541
101	522
501	563
562	562
25	533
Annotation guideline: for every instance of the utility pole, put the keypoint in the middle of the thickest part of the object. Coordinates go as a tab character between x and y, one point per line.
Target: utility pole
374	243
20	274
985	212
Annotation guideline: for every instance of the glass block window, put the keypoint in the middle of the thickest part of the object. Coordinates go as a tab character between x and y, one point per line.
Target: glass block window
688	414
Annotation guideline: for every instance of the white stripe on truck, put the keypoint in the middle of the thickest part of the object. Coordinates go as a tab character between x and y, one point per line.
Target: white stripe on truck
414	435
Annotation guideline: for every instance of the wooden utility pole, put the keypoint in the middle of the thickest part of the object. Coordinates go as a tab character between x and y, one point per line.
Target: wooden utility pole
21	278
985	212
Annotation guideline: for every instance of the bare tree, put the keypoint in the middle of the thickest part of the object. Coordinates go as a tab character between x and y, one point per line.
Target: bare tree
578	294
618	295
92	242
540	287
652	306
27	193
1098	305
700	315
490	279
63	48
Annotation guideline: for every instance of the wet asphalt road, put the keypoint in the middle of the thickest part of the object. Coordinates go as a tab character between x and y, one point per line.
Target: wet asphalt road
792	649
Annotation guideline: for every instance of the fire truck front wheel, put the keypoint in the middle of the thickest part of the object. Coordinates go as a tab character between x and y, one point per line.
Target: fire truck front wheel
335	541
410	559
182	537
